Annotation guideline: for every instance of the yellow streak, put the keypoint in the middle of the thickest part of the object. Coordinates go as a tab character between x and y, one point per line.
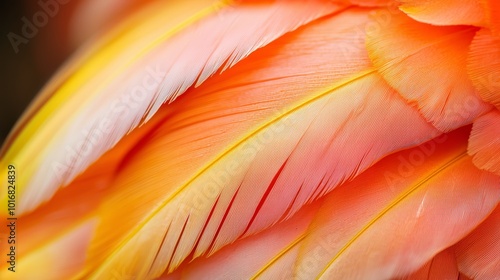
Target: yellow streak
22	150
392	205
279	255
241	141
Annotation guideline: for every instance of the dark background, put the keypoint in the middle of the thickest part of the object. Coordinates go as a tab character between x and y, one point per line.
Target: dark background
24	73
75	22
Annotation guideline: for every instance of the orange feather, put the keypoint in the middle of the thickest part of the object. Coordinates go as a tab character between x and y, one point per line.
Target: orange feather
344	139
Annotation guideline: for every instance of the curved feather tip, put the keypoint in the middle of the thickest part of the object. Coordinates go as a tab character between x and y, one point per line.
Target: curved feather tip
347	139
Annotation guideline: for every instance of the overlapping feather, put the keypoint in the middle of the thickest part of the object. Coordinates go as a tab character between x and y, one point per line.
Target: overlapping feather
477	254
252	115
126	82
427	66
224	193
356	232
392	210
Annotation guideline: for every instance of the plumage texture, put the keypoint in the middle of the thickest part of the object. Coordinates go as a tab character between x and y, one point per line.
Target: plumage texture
239	197
477	254
445	12
483	66
442	266
484	142
110	107
392	210
258	139
61	258
426	65
270	254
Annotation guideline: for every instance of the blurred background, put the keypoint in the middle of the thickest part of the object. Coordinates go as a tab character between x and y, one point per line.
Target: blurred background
23	73
37	37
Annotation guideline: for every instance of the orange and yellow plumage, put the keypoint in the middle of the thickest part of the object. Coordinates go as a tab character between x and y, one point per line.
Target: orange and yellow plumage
264	139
